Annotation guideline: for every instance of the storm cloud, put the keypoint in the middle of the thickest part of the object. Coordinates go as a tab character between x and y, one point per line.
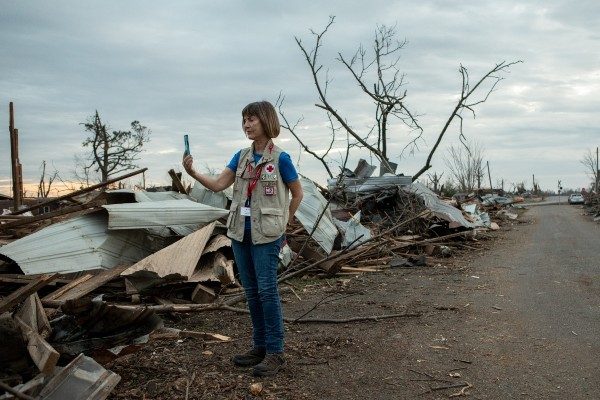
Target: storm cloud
191	66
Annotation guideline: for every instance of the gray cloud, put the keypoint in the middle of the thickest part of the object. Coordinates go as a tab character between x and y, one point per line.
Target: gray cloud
190	68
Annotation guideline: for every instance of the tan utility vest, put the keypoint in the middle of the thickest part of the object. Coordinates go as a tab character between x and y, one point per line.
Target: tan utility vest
269	204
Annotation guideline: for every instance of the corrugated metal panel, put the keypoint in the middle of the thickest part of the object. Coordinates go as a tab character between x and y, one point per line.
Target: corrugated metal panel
309	210
120	196
79	244
362	185
142	196
152	214
439	208
131	196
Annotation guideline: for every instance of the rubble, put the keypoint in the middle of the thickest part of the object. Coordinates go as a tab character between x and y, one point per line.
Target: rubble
85	284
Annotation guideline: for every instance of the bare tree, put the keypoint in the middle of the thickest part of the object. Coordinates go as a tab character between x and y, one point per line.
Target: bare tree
385	90
81	172
114	152
519	187
465	163
435	181
45	187
377	74
590	162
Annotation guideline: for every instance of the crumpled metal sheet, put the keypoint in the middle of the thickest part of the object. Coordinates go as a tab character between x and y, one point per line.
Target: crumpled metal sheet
121	196
441	209
480	218
156	214
79	244
493	199
309	210
354	232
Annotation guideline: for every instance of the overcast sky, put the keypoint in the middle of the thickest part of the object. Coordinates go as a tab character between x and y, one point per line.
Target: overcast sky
191	66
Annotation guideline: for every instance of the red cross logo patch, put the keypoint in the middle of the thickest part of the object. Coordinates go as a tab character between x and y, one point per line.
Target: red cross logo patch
270	168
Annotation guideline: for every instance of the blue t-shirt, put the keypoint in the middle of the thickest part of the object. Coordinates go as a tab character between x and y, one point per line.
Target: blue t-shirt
286	167
287	171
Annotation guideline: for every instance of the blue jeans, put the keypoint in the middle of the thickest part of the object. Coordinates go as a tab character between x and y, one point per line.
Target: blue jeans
257	266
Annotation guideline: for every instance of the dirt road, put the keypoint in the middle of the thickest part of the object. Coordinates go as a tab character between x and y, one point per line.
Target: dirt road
533	330
517	320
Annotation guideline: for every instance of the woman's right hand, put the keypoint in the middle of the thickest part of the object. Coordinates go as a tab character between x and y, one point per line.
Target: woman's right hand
188	160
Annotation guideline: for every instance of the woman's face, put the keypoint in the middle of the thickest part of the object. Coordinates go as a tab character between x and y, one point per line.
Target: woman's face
253	128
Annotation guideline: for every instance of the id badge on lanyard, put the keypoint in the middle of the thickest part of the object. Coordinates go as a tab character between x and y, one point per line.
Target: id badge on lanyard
245	210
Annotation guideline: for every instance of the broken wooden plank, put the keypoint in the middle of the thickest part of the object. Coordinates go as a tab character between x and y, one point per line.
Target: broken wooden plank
203	294
78	192
17	278
63	211
312	255
68	286
20	294
89	285
16	393
42	353
33	314
174	333
176	182
214	267
359	269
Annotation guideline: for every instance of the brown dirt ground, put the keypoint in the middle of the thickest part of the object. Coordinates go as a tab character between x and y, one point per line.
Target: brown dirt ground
391	358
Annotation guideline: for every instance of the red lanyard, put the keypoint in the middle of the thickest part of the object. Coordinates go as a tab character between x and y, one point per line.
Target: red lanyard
254	180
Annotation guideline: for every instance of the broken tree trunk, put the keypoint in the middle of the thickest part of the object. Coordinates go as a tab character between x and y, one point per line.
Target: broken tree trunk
176	181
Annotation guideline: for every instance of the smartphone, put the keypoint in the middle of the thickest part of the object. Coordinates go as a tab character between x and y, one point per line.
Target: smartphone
186	142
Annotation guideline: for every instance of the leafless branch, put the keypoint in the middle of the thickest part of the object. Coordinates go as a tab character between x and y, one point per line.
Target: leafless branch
311	57
292	129
465	102
466	165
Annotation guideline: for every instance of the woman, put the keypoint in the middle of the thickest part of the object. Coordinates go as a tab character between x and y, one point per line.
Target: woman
263	176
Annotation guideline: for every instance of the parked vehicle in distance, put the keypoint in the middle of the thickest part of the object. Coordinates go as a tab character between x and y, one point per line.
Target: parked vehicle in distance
576	199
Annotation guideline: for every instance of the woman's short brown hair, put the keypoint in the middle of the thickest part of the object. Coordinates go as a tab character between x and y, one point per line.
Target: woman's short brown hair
266	114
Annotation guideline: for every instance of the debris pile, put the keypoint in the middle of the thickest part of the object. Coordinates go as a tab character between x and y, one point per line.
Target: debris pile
85	283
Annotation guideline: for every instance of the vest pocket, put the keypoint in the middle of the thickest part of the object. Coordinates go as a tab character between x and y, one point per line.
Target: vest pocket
271	221
233	213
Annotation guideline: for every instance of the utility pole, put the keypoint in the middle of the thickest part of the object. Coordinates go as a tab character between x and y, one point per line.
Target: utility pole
597	170
17	180
533	183
490	177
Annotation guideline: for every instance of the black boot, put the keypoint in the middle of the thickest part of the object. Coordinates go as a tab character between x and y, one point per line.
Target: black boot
249	358
271	364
